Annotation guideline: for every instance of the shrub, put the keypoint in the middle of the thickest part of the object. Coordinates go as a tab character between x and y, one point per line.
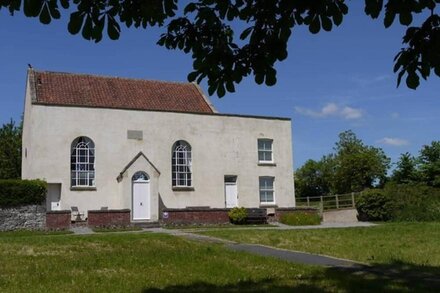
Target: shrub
238	215
300	219
15	192
375	205
414	202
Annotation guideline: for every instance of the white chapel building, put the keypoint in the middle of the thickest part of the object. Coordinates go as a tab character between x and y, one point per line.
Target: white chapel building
119	143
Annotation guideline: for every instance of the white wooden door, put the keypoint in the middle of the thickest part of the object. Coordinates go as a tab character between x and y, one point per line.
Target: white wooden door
141	199
231	194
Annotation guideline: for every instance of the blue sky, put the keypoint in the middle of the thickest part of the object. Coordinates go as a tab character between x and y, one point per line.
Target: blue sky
330	82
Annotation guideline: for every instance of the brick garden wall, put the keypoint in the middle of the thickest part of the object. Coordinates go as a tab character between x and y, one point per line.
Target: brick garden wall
195	216
108	218
58	220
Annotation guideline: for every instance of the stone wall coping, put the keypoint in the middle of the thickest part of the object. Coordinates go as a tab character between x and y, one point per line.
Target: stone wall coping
296	209
109	211
59	212
185	210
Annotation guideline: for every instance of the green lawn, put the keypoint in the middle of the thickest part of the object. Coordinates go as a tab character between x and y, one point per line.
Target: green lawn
147	262
410	243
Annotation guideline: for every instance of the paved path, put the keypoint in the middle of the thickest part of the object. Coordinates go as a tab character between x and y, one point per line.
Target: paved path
287	255
295	256
81	230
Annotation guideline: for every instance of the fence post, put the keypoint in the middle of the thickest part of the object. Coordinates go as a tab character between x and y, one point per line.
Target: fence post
322	202
352	199
308	201
337	202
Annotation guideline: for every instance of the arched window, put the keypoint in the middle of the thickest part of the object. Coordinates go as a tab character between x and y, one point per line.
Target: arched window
82	162
182	164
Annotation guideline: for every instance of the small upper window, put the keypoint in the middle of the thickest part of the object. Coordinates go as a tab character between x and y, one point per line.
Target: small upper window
181	164
265	150
267	190
82	162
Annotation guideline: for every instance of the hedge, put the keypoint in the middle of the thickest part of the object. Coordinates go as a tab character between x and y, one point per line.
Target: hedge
15	192
375	205
400	202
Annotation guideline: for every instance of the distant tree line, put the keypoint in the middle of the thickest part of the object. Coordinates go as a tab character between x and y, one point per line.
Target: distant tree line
354	166
10	150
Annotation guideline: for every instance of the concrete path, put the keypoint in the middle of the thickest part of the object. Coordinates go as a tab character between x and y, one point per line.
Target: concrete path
295	256
287	255
82	230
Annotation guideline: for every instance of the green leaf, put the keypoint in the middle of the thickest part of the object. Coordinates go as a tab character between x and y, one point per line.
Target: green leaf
315	25
45	15
259	78
53	8
246	33
221	90
87	28
405	18
75	23
211	89
412	80
191	7
32	8
373	7
399	77
230	86
326	23
271	78
192	76
389	18
64	3
113	28
337	18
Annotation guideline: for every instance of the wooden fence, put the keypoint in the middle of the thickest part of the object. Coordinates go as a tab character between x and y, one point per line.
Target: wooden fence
329	202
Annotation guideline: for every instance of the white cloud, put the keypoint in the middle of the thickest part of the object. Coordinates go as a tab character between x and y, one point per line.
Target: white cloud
368	81
331	110
393	141
395	115
351	113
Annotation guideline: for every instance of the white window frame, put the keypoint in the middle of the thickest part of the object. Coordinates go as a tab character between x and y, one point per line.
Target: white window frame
265	150
84	148
266	189
181	172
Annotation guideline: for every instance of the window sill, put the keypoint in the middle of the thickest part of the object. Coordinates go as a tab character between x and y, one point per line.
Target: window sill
183	188
83	188
271	164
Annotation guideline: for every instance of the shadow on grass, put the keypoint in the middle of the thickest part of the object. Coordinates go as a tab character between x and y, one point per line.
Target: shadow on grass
266	285
388	277
394	277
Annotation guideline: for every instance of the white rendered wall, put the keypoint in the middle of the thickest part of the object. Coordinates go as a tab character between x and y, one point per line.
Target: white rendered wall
221	145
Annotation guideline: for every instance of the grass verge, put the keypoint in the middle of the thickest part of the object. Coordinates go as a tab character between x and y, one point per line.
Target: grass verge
412	243
143	262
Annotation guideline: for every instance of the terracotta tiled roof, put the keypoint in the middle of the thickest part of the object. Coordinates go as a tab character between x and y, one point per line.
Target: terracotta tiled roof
67	89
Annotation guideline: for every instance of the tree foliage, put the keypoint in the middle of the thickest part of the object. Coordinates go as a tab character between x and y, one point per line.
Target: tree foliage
224	54
422	169
358	166
314	178
406	170
353	166
430	163
10	151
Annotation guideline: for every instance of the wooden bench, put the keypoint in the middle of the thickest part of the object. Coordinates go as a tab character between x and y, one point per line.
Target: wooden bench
256	216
